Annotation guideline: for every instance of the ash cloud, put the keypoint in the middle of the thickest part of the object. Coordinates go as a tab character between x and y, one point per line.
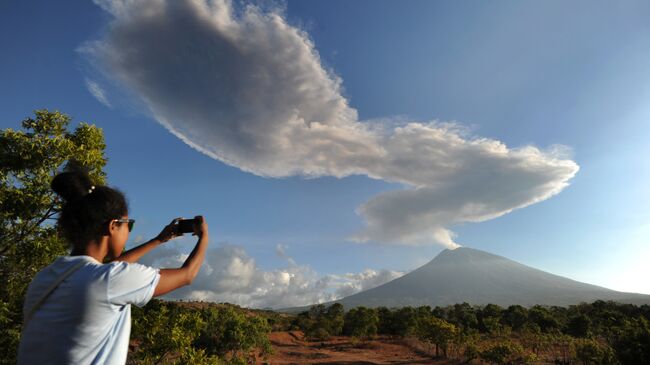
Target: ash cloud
247	88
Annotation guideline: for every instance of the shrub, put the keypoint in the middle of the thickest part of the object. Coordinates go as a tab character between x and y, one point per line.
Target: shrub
507	353
592	352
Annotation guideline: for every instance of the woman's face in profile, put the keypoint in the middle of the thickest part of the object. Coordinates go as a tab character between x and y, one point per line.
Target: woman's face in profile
118	237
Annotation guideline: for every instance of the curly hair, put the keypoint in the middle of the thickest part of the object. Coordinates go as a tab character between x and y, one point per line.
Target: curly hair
87	208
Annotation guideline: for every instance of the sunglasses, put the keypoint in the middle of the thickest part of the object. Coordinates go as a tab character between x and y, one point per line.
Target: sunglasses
131	222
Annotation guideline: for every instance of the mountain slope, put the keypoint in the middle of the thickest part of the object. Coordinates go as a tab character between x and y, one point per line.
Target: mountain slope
478	277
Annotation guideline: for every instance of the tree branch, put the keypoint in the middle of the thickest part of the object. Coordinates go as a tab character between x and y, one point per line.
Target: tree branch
24	233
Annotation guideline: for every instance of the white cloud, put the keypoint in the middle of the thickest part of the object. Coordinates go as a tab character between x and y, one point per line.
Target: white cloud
98	92
281	251
352	283
245	87
229	275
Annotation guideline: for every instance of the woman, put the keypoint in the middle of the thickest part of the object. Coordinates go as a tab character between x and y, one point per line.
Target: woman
78	309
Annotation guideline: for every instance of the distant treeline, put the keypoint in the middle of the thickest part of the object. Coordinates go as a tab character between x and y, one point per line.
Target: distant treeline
597	333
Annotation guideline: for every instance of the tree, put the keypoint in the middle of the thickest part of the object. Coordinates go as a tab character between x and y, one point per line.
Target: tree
489	318
361	322
405	321
317	328
386	325
543	317
438	332
335	318
592	352
515	317
463	315
632	342
579	326
29	159
321	322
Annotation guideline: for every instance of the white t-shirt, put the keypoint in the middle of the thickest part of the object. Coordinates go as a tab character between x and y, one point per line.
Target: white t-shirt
87	318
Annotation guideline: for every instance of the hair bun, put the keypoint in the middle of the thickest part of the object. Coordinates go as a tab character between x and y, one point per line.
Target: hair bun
72	184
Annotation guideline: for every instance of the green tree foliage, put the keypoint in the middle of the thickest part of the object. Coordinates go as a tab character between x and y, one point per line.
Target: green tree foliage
593	352
405	322
320	322
515	316
490	318
318	327
165	335
335	319
464	316
361	322
438	332
632	341
233	334
170	333
29	159
507	352
579	326
543	317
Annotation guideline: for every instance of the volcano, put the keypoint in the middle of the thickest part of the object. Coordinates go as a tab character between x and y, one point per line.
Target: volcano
478	277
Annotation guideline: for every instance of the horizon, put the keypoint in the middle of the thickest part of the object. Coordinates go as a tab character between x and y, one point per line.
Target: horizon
381	135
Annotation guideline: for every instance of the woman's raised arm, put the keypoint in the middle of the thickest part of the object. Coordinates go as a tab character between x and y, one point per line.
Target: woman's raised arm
134	254
171	279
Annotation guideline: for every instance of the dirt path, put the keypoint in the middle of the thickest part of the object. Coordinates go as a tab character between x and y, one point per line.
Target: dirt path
291	348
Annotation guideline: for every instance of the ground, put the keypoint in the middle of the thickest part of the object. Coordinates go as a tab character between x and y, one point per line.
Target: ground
292	348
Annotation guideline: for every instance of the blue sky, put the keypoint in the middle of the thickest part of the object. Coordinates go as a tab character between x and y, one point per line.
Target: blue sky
526	73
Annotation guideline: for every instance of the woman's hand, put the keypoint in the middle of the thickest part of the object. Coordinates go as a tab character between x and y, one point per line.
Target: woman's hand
168	232
200	226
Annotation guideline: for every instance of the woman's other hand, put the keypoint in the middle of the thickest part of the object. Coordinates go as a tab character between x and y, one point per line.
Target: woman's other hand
168	232
200	226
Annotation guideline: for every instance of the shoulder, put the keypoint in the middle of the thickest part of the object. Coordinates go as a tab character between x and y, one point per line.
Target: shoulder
131	282
64	265
129	271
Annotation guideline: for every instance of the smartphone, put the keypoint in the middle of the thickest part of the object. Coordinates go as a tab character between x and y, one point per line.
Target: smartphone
185	226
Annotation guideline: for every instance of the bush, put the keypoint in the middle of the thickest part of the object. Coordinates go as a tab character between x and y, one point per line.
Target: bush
232	334
507	353
592	352
317	334
169	333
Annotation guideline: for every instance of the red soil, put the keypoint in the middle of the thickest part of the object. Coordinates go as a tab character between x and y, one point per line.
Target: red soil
292	348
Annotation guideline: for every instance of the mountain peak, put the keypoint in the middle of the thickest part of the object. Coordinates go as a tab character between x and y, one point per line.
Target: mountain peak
461	254
477	277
